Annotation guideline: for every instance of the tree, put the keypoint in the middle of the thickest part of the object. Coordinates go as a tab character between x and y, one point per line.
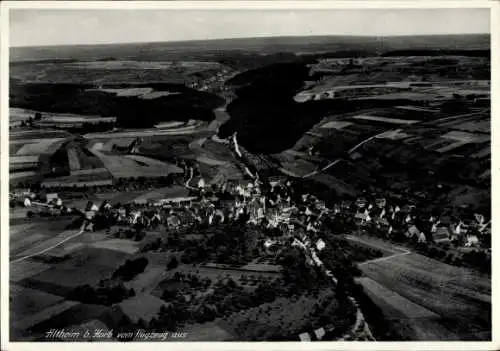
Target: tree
173	263
38	116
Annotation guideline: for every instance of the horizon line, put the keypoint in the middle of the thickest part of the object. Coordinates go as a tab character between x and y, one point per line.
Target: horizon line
256	37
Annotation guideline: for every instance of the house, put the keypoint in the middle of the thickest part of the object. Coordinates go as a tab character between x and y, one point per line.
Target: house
320	244
412	230
422	238
472	240
442	234
320	333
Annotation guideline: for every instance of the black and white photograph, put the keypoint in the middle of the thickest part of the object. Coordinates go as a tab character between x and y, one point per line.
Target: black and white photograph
281	174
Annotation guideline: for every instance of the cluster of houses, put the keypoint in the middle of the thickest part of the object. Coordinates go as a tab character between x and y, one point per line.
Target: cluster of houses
274	209
237	201
419	224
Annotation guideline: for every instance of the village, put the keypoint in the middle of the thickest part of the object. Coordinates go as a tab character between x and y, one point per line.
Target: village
300	219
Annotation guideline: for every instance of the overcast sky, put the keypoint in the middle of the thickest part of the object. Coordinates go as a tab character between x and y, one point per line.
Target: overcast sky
59	27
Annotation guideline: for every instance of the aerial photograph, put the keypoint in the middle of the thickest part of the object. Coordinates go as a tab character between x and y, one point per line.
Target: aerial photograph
302	175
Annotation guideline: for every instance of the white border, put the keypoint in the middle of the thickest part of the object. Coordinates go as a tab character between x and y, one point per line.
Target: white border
234	5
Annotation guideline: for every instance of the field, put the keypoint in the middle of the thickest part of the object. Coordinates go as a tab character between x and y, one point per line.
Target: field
336	124
162	193
37	288
37	147
385	119
149	306
92	265
96	177
30	301
445	302
24	236
125	167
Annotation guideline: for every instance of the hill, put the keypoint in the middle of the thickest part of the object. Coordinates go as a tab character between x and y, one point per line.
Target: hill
217	49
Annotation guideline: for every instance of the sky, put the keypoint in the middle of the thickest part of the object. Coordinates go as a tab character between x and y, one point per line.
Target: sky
30	27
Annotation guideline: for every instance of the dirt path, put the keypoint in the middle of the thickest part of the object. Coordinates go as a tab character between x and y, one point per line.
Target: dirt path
81	231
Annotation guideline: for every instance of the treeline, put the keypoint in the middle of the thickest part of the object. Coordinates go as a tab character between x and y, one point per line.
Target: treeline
436	52
130	111
102	295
